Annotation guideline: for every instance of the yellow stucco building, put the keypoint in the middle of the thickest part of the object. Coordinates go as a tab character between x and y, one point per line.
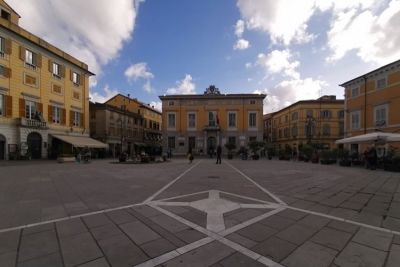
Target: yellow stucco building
44	93
202	122
372	103
320	122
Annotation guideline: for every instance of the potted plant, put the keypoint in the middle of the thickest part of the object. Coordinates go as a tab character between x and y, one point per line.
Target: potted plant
344	156
392	161
230	147
306	152
270	151
254	147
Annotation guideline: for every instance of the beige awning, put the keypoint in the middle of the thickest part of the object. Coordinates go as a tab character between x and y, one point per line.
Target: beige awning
81	141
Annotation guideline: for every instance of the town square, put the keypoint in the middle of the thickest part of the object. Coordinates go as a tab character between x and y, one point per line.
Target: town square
199	133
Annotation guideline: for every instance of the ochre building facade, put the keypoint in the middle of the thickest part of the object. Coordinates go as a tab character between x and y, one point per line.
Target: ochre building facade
202	122
44	93
372	103
319	122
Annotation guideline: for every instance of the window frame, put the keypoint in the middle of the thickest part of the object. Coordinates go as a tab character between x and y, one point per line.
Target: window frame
355	89
234	126
76	122
56	115
2	105
169	124
378	86
32	106
76	78
250	124
352	114
377	108
189	126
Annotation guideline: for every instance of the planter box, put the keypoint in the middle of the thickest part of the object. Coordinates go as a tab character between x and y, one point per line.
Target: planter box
65	159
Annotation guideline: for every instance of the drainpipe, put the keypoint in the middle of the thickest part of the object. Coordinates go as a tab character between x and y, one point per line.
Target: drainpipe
365	104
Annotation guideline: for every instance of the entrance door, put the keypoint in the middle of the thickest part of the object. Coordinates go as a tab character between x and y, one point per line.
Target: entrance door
211	144
2	147
35	145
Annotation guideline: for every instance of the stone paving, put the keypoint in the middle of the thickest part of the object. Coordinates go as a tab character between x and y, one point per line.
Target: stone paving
239	213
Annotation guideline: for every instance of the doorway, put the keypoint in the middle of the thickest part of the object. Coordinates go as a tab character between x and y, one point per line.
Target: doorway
2	147
211	144
35	145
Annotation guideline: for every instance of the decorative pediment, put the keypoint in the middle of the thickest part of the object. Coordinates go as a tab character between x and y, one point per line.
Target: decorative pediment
212	90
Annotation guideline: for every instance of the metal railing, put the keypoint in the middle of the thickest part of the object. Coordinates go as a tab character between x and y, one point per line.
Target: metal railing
33	123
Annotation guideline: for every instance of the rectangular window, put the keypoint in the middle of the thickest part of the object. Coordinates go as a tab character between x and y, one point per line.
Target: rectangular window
171	142
341	128
381	83
191	120
5	15
30	57
2	110
252	102
309	113
341	114
326	114
380	115
56	115
355	91
76	78
294	130
77	119
326	130
30	109
295	116
171	120
56	70
170	103
355	120
232	120
252	119
212	119
2	46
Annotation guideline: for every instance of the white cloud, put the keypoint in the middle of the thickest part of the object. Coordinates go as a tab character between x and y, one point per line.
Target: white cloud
374	36
92	31
157	105
288	92
140	71
183	87
241	44
279	62
285	20
239	28
248	65
101	98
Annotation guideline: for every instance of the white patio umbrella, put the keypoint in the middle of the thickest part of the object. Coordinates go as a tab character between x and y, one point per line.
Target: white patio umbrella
377	137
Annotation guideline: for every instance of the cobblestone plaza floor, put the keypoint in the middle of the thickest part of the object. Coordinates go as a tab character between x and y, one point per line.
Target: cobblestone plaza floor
239	213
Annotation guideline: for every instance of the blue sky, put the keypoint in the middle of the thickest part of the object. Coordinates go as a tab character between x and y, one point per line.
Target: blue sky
289	50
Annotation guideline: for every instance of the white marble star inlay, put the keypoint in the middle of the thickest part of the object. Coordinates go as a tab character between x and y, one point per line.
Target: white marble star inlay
216	207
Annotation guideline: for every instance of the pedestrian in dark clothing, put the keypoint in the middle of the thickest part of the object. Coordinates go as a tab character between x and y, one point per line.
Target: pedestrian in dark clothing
219	151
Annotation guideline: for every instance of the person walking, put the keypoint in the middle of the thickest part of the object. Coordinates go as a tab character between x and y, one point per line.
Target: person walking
219	151
190	155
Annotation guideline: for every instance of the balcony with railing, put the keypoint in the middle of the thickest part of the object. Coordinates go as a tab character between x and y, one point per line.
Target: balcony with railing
32	123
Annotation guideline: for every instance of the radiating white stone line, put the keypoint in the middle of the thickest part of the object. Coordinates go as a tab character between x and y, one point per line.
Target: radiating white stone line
220	238
260	206
161	203
68	218
251	221
175	253
277	199
249	253
346	220
170	183
245	197
182	196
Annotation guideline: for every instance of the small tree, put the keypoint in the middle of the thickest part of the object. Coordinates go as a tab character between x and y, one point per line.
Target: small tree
230	147
254	147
